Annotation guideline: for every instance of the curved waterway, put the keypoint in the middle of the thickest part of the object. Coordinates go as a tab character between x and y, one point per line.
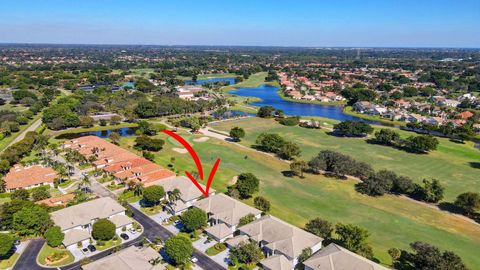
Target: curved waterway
270	97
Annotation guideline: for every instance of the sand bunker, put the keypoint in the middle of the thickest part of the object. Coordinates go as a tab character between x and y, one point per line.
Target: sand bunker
180	150
202	139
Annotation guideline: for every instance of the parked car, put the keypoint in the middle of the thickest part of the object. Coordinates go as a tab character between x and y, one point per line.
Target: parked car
92	248
124	236
16	242
85	250
193	259
132	231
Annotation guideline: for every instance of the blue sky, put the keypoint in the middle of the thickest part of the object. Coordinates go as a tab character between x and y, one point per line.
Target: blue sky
365	23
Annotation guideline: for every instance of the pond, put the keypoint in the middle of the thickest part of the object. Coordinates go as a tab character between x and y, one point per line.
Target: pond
270	97
123	132
211	80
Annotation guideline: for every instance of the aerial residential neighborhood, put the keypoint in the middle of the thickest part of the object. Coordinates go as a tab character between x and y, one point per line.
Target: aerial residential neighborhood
240	135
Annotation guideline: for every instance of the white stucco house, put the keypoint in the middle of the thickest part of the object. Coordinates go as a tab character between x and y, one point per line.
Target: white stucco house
76	222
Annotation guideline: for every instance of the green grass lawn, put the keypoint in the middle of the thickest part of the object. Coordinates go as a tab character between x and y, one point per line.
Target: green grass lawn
392	221
109	244
47	251
450	163
153	210
253	80
214	250
7	263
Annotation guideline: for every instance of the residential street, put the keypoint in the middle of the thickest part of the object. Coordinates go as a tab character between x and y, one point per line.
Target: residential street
153	229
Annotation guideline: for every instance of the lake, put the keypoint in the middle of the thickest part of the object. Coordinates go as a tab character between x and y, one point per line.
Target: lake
127	131
270	97
211	80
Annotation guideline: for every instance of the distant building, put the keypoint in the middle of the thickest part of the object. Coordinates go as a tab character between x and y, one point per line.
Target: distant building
56	201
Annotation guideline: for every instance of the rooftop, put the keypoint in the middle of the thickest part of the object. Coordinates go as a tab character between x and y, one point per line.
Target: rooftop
21	177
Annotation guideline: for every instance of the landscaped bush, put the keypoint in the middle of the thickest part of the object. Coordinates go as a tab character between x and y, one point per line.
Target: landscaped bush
103	229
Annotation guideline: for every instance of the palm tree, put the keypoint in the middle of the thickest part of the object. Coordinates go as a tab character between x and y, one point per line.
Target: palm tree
138	189
84	182
174	195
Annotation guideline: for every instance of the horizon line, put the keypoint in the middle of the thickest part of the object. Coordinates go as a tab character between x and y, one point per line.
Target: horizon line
252	46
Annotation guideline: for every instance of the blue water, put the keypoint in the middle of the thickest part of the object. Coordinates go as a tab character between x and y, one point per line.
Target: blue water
269	97
211	80
123	132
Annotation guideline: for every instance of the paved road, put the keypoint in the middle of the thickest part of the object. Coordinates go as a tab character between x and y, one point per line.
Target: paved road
28	259
32	127
153	229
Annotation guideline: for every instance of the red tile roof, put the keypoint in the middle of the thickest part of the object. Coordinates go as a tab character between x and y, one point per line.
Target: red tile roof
23	177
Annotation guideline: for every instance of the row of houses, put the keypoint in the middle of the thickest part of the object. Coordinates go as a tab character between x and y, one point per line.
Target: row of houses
27	177
302	88
401	114
282	243
122	164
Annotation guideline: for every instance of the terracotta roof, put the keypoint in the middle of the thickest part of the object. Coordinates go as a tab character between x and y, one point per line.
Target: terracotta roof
139	170
21	177
151	178
54	201
465	115
119	166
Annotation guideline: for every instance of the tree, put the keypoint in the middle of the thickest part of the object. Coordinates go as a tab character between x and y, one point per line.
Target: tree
114	137
320	227
428	257
33	220
403	185
354	238
377	184
262	204
247	184
103	229
289	150
265	111
174	195
306	253
194	219
387	136
431	191
469	202
153	194
20	194
421	144
6	244
40	194
178	248
237	133
54	236
246	219
269	142
351	128
146	143
394	253
9	209
115	120
248	253
298	167
87	121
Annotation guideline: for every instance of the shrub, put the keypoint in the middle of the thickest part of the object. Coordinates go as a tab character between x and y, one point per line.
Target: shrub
103	229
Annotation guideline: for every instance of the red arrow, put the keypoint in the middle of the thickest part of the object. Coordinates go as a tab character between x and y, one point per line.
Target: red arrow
194	155
189	149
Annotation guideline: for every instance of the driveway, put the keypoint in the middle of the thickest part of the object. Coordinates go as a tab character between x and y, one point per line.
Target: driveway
201	245
153	229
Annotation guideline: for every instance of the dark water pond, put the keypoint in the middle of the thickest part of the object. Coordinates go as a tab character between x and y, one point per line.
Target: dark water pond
127	131
211	80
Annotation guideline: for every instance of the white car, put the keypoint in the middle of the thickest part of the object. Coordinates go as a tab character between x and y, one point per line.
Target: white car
132	231
193	259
